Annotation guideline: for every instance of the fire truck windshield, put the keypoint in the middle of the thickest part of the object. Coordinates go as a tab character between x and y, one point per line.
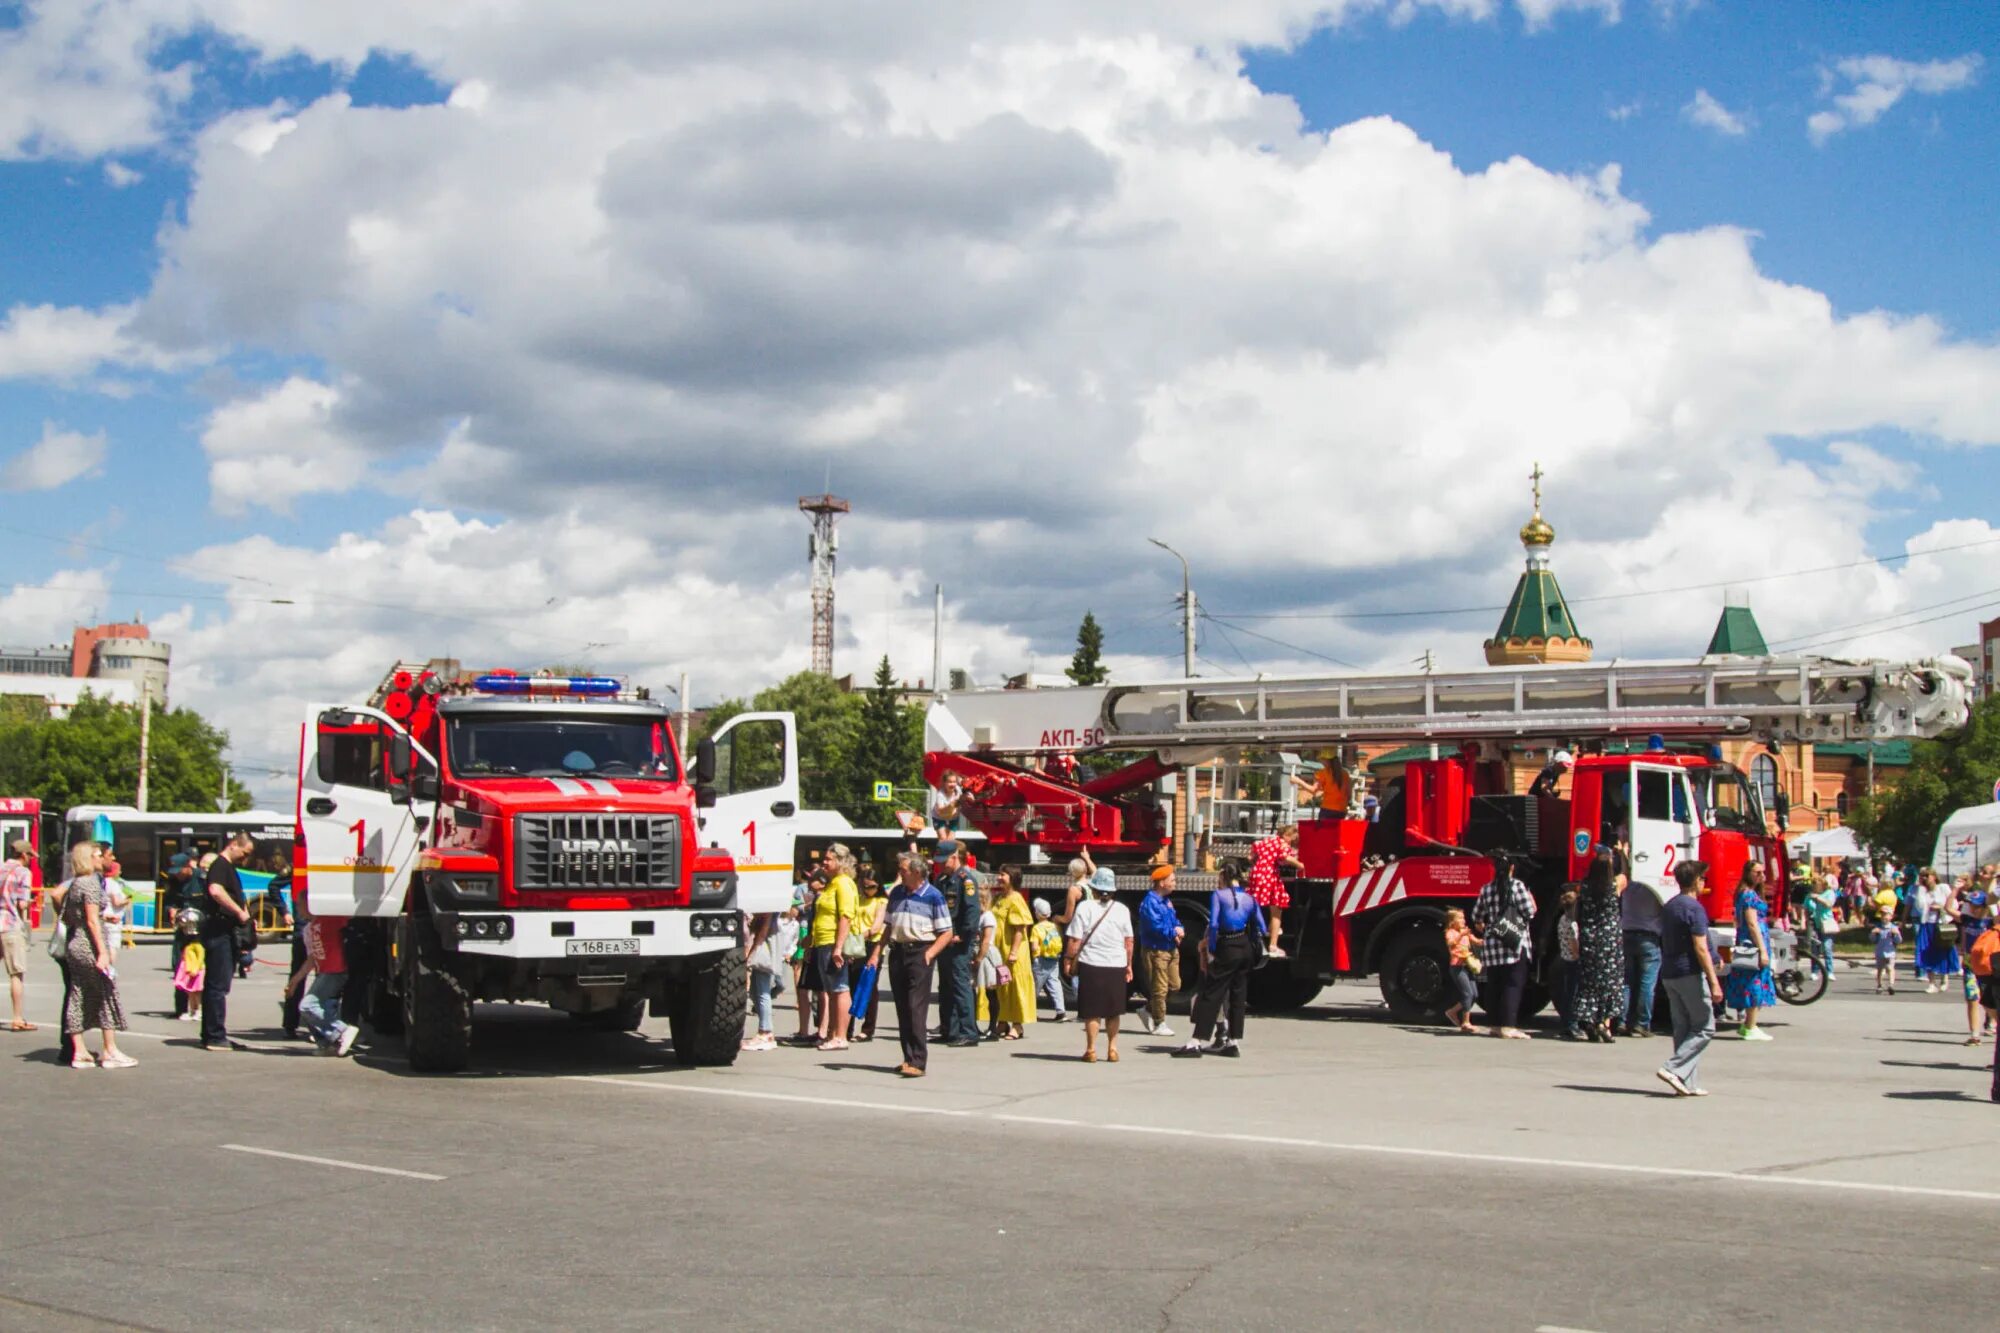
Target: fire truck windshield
1727	801
539	746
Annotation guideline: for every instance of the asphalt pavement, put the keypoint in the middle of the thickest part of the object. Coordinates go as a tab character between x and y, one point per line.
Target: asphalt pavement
1348	1172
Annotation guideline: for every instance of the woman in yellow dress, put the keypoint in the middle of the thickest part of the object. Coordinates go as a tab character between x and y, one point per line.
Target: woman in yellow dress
1014	921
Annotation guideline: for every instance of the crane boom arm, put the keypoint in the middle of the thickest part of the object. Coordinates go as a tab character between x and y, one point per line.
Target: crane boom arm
1799	698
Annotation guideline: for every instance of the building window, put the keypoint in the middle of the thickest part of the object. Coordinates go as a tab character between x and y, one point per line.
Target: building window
1840	804
1764	777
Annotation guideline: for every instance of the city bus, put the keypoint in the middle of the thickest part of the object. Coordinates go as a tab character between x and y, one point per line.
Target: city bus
146	842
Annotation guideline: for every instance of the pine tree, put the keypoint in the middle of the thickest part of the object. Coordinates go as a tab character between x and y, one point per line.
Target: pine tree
883	751
1086	666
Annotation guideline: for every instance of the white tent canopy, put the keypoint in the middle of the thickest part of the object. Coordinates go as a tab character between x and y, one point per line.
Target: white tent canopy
1969	839
1825	844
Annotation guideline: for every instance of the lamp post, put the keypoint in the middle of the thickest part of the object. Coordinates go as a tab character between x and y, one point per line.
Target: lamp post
1187	609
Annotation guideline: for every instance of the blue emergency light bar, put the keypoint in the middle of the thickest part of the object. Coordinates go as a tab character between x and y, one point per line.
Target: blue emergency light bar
599	686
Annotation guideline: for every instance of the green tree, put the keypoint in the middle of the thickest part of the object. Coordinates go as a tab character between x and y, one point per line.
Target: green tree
1086	666
887	750
90	756
960	679
1944	775
829	723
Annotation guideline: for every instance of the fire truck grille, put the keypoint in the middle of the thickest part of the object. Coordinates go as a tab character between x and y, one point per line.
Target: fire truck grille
596	852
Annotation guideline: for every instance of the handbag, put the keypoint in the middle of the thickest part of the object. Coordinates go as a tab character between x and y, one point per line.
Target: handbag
246	937
59	936
1505	927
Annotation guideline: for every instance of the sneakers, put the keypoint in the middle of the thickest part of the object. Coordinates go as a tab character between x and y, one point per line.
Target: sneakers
1672	1080
1145	1022
1191	1051
761	1041
1062	1017
345	1042
118	1061
1163	1031
1753	1034
184	1018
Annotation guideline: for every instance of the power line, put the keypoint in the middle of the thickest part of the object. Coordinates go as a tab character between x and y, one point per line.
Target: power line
1245	629
1910	611
1894	626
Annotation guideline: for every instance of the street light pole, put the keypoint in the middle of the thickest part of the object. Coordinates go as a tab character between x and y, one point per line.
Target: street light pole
1187	609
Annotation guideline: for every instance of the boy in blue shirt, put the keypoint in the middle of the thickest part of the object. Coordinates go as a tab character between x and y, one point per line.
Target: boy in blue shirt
1160	934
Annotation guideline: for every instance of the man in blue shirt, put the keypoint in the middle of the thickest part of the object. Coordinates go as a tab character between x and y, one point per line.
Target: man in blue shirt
1687	975
916	928
961	900
1160	934
1237	937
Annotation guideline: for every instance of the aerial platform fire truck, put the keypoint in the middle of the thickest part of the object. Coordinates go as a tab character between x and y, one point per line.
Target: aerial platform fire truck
528	838
1372	893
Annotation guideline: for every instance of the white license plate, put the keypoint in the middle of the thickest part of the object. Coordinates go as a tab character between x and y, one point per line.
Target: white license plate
598	948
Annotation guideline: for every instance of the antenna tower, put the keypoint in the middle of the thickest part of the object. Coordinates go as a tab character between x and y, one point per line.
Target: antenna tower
821	550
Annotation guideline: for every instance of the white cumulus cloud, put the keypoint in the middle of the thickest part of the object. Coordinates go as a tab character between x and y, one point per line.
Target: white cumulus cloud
1702	109
58	458
1862	88
270	449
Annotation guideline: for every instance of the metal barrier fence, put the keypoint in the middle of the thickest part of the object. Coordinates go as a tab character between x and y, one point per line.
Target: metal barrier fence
147	911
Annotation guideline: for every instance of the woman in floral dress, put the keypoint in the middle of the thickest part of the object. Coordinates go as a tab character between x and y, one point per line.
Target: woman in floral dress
1600	988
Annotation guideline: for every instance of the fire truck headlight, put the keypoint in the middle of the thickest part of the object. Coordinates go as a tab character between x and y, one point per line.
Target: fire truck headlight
710	888
482	928
476	888
462	927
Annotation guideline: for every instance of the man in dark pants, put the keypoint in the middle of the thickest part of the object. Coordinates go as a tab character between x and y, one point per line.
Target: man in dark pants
1228	956
961	900
916	929
225	910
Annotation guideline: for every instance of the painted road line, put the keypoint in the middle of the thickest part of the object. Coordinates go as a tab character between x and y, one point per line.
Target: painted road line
1320	1145
331	1161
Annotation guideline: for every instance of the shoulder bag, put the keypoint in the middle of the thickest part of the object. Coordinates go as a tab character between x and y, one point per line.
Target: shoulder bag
1506	928
59	935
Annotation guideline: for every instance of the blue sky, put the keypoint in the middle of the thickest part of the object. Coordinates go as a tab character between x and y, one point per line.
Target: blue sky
587	402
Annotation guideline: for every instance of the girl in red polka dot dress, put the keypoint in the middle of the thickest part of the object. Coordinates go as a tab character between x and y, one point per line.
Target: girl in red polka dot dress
1280	849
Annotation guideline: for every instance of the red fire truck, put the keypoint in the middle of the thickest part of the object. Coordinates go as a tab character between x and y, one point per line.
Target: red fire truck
521	839
1374	887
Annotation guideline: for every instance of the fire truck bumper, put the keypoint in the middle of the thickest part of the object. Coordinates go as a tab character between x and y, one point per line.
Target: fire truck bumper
590	936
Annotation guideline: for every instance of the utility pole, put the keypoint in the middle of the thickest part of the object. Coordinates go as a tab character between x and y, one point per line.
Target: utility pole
222	800
821	549
684	712
145	737
937	639
1429	659
1187	609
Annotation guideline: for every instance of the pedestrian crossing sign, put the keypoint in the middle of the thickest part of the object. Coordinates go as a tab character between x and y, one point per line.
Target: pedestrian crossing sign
885	791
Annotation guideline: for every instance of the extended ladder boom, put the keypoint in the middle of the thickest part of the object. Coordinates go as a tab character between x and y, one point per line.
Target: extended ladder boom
1769	698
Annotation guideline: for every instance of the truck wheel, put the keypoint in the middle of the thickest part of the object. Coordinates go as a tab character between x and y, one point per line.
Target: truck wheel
437	1012
625	1018
1416	974
1277	990
706	1022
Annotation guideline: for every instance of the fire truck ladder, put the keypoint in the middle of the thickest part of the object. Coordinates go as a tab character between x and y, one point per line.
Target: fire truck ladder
1801	698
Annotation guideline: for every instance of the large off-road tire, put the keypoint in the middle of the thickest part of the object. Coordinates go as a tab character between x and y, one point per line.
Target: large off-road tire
624	1018
384	1010
706	1019
437	1011
1415	974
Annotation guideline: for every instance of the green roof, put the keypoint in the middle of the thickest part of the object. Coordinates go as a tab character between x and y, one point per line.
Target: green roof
1537	610
1405	753
1895	754
1736	634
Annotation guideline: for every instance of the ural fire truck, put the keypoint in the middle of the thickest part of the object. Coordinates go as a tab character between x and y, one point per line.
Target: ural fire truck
536	838
1374	888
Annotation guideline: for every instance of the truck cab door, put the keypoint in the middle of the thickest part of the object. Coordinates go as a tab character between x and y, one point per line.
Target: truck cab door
1664	830
361	831
756	810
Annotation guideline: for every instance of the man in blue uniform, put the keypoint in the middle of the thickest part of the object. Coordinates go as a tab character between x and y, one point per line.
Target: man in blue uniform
961	900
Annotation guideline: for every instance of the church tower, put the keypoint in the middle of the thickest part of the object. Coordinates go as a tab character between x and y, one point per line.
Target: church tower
1537	625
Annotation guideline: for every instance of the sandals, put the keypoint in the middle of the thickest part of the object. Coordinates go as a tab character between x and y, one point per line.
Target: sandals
1112	1055
22	1025
836	1044
1090	1056
83	1062
118	1061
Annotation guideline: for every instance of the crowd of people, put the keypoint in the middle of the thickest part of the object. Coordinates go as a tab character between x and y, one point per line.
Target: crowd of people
993	956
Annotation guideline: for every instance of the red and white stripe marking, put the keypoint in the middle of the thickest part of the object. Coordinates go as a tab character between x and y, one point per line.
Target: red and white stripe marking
1371	888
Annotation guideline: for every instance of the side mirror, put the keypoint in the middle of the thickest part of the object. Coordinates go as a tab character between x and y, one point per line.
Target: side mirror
704	763
704	797
401	758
